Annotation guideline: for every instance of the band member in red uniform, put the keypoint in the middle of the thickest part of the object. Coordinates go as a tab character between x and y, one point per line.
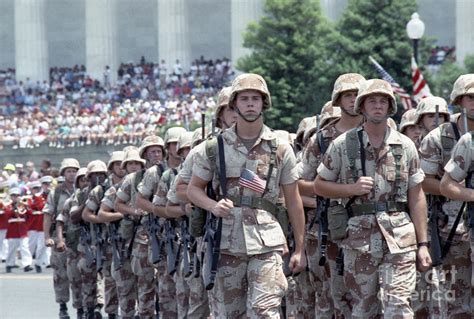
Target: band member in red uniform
17	214
35	225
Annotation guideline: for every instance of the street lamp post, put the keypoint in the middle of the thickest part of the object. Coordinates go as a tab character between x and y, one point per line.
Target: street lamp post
415	30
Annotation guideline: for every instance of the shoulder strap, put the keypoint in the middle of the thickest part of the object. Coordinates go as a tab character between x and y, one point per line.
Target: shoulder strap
138	178
56	196
352	145
273	150
211	152
323	142
222	168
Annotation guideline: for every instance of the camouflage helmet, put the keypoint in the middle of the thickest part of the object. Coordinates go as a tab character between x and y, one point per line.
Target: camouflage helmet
408	118
96	166
346	82
172	134
116	156
133	155
68	163
185	140
250	81
428	105
152	140
325	118
81	172
304	125
464	85
327	107
391	123
223	100
376	86
197	136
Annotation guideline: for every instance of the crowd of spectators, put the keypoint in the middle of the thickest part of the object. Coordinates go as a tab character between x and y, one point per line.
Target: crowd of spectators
72	109
440	54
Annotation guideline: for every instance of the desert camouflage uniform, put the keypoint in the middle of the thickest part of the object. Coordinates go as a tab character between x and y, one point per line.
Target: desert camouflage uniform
380	248
329	286
140	266
90	294
109	289
458	168
58	259
72	255
250	279
171	290
198	295
125	280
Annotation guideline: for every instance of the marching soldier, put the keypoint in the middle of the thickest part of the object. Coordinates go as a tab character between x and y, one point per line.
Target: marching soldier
53	207
249	279
376	170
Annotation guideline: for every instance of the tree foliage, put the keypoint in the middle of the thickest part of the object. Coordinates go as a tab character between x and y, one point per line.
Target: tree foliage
291	50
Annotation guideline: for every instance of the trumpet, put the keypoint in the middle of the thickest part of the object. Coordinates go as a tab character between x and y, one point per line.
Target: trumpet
20	207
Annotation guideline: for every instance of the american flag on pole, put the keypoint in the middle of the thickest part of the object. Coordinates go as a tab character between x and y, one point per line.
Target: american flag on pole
250	180
420	87
397	89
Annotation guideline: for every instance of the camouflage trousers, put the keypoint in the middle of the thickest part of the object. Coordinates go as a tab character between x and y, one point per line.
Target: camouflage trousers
198	295
366	275
127	292
145	273
182	291
319	278
251	286
74	277
455	281
166	292
288	303
110	287
425	302
89	281
60	280
304	296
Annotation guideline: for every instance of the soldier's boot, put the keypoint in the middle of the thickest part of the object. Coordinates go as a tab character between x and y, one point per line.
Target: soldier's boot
63	311
97	313
80	313
90	313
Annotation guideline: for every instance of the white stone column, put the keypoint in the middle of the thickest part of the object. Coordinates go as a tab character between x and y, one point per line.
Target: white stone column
173	35
242	12
333	9
31	47
464	29
101	38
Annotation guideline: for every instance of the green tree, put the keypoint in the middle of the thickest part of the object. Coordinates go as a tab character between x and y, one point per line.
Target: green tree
291	48
377	28
442	82
469	63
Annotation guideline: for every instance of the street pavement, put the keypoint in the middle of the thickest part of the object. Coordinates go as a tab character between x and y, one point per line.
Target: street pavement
28	295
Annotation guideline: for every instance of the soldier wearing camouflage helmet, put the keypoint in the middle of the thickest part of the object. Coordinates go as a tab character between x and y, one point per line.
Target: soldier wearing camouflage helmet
252	238
70	242
436	150
338	117
426	116
53	207
378	235
409	127
225	116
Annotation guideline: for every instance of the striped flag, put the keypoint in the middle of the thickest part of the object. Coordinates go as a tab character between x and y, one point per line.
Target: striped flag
397	89
420	87
250	180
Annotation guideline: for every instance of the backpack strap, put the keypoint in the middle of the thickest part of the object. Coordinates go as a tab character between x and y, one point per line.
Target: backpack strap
273	150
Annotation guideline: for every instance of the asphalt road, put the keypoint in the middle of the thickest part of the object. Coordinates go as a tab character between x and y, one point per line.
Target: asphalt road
28	295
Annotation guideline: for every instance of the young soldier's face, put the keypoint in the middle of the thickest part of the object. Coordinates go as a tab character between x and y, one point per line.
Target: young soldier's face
347	100
133	166
82	182
70	174
413	132
249	103
428	121
467	103
228	117
375	108
117	169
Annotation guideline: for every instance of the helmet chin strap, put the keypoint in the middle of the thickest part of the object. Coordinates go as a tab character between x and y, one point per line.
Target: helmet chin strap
246	119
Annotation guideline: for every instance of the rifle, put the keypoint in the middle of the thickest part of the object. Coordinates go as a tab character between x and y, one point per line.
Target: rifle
171	260
196	261
153	229
185	243
117	243
99	247
213	233
435	242
291	249
86	242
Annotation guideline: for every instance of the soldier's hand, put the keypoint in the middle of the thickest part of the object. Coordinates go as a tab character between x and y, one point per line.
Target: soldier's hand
423	259
222	208
49	242
363	185
297	262
61	246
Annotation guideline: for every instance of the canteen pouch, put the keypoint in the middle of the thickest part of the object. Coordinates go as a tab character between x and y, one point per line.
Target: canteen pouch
337	222
126	228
